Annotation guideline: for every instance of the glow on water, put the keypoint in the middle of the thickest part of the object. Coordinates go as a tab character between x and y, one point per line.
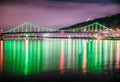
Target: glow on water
118	55
62	57
84	58
27	57
1	56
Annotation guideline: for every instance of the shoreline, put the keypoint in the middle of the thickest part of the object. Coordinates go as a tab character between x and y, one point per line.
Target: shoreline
94	38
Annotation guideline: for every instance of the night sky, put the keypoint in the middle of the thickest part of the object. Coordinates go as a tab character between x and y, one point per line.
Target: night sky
54	13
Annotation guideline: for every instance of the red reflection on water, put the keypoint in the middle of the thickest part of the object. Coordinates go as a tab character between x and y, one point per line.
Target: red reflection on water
62	57
118	55
1	55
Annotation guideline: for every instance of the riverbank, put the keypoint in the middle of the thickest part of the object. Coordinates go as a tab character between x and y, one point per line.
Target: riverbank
40	38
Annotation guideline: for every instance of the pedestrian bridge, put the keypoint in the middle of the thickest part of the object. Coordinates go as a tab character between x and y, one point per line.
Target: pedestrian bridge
33	31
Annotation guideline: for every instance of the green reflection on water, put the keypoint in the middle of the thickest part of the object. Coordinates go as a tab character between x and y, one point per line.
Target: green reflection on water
24	57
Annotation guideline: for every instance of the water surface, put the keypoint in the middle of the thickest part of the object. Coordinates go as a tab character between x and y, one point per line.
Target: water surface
28	57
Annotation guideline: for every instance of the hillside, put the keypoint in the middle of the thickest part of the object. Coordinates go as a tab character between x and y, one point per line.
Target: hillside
110	21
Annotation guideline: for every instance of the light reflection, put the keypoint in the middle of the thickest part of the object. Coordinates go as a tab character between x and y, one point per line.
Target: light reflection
38	57
100	55
111	54
26	56
1	56
84	57
69	53
62	57
96	54
118	55
106	55
13	57
73	54
32	56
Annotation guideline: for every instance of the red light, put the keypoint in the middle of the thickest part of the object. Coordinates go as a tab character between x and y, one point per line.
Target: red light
62	32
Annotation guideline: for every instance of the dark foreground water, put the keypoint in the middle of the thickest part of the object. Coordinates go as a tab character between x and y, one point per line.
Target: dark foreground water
59	59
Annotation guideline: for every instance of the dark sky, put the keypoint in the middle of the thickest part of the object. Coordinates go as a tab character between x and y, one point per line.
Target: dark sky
54	13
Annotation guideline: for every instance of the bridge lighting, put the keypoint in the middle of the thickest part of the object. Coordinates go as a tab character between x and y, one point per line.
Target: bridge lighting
26	35
62	32
118	30
73	30
96	35
69	36
46	35
26	39
84	29
95	30
99	37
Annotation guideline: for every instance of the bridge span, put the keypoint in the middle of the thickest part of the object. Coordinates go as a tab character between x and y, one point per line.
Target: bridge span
32	31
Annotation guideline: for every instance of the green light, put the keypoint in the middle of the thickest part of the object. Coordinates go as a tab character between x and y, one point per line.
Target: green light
26	35
38	57
26	57
80	55
96	53
73	54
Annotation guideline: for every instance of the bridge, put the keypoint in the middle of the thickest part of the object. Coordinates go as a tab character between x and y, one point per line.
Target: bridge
33	31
